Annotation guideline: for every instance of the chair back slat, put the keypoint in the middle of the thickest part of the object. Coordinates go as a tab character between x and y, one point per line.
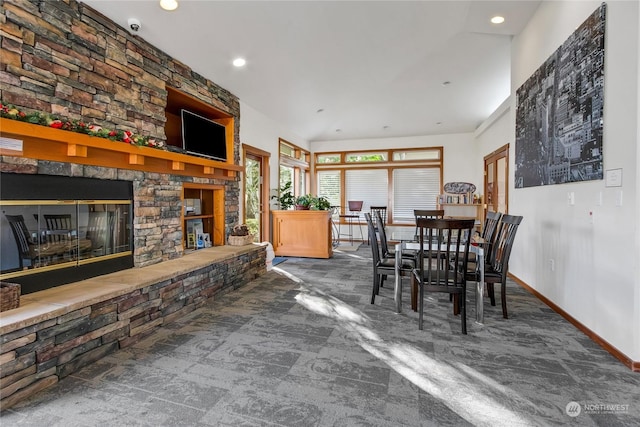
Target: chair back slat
503	243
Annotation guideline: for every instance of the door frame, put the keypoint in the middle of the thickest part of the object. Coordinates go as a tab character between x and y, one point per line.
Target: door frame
262	157
493	157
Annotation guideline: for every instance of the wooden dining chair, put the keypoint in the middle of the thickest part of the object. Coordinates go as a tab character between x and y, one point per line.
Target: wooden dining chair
488	234
378	216
497	265
426	214
384	244
383	266
439	240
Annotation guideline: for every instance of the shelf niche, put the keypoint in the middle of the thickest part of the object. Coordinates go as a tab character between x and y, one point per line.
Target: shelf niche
177	101
212	214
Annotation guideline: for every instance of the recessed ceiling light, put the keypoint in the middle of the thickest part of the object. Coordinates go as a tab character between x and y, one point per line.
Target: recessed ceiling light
446	83
169	4
320	110
239	62
438	123
497	19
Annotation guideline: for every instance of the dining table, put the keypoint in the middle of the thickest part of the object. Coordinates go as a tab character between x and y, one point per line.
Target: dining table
476	246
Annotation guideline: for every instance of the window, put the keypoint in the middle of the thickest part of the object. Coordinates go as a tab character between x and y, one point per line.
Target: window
328	158
369	185
366	157
294	167
429	154
329	186
414	188
402	179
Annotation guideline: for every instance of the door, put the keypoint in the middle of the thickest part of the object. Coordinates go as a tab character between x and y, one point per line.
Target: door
256	177
496	180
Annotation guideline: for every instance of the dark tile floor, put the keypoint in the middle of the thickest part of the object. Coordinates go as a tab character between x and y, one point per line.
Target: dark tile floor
302	346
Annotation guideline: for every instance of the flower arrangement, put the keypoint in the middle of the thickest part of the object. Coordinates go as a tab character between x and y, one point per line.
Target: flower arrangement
79	126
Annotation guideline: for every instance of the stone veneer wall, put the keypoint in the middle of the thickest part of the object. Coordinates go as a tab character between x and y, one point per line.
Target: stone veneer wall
157	203
62	57
35	357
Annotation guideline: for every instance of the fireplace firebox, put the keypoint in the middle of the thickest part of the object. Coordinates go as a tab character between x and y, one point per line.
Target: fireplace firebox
56	230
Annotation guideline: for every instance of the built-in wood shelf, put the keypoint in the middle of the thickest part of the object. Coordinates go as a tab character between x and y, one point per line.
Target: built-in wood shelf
45	143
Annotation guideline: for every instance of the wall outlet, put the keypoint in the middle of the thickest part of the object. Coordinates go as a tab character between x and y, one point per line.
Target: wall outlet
552	265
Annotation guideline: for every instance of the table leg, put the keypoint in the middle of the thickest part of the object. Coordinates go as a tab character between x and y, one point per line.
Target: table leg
480	290
398	282
414	293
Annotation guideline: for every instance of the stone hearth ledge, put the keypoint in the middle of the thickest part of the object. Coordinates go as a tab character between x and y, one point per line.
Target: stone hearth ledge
51	303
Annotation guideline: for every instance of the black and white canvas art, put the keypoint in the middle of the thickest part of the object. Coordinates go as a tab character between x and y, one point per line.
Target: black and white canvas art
559	112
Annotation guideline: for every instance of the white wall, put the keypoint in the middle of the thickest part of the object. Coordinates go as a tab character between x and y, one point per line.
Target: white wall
596	276
261	132
460	156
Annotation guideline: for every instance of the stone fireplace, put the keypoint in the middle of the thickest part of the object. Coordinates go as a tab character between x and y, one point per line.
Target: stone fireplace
83	67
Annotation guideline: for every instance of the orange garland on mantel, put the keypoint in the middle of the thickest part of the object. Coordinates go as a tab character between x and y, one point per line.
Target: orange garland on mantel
43	143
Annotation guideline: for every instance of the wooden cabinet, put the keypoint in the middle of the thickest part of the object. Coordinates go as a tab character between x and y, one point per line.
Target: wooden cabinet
302	233
206	207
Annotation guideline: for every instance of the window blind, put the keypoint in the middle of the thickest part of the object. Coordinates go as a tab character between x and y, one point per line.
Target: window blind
329	186
368	185
414	188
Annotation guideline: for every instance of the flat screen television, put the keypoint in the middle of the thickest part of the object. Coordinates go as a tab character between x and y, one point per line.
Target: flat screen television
203	137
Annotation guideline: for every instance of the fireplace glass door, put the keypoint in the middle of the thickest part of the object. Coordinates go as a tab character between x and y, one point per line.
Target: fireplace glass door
41	235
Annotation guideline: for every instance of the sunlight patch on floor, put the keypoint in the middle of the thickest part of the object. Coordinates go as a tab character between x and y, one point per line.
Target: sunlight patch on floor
467	392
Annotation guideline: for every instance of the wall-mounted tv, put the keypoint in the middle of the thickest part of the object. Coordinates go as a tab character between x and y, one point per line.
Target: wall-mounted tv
203	137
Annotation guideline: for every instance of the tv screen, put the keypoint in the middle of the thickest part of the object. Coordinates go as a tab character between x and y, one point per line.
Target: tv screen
203	137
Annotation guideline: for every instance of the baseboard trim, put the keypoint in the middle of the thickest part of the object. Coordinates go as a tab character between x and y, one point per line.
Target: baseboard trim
631	364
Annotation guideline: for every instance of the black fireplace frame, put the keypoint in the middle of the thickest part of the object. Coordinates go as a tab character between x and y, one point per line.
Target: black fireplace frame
38	187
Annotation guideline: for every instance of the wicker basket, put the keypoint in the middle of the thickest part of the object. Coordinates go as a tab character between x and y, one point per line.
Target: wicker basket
9	296
240	240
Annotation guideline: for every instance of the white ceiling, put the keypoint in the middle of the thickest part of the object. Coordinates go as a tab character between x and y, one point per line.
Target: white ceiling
366	64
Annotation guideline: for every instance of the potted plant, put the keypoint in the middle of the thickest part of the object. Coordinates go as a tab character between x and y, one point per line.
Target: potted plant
322	204
305	202
285	197
309	201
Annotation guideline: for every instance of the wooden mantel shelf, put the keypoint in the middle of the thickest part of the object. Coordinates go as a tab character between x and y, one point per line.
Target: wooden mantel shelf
45	143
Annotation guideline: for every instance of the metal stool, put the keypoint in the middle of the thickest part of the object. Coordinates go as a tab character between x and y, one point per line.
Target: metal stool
355	207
